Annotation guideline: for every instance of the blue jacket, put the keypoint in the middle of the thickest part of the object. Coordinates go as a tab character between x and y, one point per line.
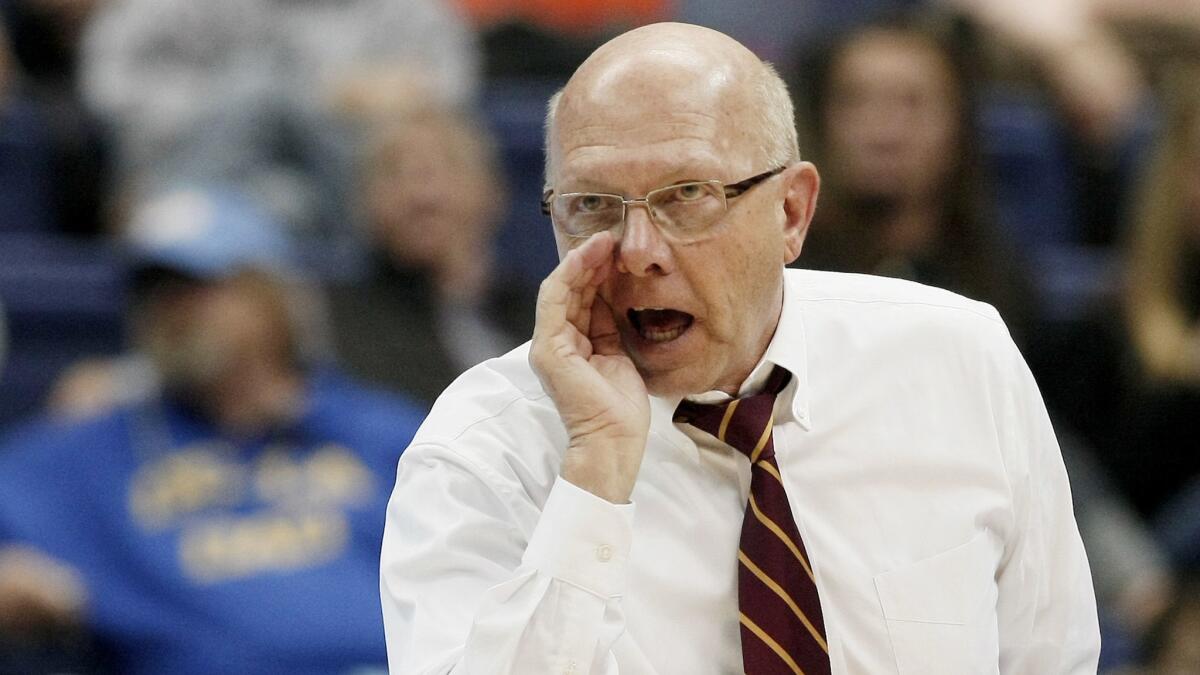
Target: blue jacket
206	555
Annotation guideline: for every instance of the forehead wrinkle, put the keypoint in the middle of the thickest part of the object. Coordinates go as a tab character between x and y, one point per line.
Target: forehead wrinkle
653	133
702	116
636	129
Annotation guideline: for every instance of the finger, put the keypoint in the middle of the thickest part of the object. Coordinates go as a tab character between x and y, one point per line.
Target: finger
581	301
596	252
560	298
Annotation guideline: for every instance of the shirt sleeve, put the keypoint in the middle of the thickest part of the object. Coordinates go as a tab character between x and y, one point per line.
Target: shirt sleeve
467	590
1047	607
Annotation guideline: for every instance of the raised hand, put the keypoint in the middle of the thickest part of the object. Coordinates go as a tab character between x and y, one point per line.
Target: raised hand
577	355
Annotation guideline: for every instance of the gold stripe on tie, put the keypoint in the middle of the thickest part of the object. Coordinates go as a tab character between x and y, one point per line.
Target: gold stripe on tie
725	420
771	584
772	526
762	440
762	635
767	466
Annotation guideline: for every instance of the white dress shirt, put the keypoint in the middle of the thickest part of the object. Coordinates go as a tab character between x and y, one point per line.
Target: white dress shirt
920	466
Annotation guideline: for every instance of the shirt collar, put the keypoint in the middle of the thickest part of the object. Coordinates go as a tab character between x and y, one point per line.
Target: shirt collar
786	349
789	349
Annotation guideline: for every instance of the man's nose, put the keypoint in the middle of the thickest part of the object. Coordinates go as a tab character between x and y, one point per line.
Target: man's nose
642	249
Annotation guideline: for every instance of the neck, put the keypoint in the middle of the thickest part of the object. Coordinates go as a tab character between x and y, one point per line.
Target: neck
910	229
732	385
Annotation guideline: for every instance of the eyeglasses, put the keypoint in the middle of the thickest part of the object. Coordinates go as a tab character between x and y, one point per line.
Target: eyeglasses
684	211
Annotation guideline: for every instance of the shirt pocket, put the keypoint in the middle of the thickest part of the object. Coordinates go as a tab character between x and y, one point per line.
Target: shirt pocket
940	611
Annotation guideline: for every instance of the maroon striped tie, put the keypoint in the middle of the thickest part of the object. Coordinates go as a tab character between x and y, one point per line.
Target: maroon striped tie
782	627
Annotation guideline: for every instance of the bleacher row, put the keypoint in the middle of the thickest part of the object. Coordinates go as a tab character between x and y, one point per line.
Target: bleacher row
64	296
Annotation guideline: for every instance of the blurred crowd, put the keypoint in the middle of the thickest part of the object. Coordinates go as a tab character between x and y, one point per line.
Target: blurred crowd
245	243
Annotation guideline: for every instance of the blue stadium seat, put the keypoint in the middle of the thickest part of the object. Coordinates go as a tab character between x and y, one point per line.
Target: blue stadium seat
515	110
26	169
1027	151
64	300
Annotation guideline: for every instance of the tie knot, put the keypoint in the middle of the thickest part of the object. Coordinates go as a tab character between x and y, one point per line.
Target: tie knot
744	423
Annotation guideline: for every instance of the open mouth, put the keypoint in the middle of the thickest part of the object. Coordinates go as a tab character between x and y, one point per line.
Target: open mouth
655	324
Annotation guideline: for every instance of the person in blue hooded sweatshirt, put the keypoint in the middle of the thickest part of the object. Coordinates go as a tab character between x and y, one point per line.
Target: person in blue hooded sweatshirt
225	514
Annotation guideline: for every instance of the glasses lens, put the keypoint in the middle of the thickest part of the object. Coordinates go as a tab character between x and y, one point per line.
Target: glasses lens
582	214
688	209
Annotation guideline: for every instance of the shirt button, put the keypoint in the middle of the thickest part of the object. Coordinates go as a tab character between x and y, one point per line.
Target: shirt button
604	553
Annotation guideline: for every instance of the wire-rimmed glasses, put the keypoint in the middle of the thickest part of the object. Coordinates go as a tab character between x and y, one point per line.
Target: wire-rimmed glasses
683	211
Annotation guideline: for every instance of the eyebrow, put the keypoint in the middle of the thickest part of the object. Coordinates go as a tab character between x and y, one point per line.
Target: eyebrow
608	191
672	175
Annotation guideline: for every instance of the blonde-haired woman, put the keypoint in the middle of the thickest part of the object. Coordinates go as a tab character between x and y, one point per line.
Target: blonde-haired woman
1163	302
1164	298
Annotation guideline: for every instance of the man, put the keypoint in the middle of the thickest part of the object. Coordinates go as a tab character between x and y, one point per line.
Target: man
228	520
905	511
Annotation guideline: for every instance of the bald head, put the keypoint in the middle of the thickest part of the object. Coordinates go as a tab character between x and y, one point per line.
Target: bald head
668	73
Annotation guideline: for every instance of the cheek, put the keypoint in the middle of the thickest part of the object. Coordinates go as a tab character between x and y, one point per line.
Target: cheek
732	281
940	142
387	207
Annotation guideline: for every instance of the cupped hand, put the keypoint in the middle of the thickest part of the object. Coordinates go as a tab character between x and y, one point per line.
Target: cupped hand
578	357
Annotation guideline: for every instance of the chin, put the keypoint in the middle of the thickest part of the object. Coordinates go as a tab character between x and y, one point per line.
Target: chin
682	367
677	382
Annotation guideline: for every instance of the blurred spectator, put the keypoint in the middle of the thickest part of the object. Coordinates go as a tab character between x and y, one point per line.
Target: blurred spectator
64	162
237	231
433	303
890	111
1156	452
247	91
1094	78
1093	82
229	520
1067	41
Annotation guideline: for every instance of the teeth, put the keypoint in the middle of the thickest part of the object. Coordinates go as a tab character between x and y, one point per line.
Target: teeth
663	335
653	334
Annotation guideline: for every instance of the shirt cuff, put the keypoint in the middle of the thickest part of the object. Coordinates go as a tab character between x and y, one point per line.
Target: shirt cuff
582	539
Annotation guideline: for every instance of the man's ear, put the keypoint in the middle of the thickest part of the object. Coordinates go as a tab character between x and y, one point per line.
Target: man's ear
801	185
